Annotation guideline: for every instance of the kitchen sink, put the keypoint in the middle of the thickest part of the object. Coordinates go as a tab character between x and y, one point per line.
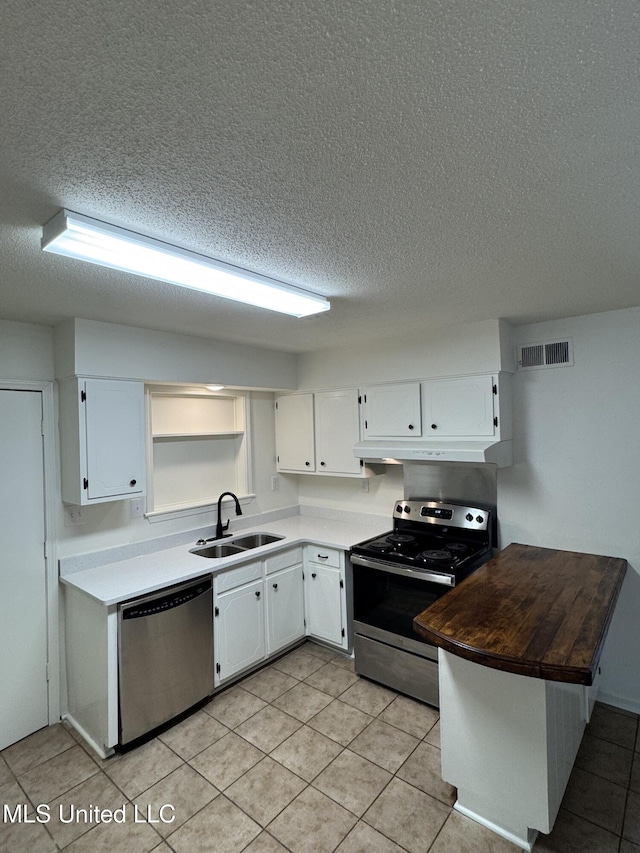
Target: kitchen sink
254	540
236	546
217	551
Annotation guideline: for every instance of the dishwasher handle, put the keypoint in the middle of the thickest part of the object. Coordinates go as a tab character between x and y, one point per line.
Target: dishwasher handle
168	600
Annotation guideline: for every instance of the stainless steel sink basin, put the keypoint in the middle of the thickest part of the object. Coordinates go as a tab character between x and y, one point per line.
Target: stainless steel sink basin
235	546
226	549
254	540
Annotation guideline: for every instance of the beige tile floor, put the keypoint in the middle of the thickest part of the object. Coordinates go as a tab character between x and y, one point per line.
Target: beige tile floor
303	756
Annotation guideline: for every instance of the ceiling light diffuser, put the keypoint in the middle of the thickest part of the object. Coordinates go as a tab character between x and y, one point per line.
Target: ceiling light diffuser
78	236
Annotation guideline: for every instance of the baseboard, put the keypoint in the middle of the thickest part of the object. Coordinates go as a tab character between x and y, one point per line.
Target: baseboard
524	843
83	734
624	703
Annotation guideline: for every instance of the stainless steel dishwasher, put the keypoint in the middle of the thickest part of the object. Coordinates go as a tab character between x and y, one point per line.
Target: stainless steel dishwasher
165	655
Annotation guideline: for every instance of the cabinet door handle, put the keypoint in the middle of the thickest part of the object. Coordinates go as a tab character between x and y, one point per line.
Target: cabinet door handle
307	463
434	426
313	574
323	464
410	426
275	586
257	594
132	482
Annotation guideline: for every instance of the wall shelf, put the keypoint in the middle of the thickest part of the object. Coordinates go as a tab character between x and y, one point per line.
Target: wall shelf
198	447
171	436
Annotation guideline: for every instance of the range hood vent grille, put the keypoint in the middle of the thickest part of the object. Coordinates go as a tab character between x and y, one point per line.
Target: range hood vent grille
545	354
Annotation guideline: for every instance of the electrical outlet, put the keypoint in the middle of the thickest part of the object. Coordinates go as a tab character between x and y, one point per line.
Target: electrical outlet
73	515
275	483
137	508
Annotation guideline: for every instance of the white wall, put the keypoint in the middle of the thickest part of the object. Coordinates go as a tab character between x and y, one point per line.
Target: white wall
26	352
89	348
483	347
575	484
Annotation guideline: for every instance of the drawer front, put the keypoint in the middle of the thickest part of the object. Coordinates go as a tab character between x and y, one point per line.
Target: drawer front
283	560
236	577
324	556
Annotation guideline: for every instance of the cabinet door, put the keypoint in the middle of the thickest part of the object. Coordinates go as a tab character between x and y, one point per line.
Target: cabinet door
238	629
392	410
285	608
323	599
459	407
337	417
115	438
294	433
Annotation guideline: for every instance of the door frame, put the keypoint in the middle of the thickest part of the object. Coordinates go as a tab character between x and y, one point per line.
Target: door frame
50	480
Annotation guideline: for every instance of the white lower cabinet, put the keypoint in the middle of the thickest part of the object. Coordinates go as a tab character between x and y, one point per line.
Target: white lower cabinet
263	607
325	595
285	608
238	629
258	610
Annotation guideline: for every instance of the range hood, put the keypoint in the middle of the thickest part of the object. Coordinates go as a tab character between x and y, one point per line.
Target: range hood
497	453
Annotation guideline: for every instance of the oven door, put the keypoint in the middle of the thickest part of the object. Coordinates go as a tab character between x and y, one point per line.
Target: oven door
386	600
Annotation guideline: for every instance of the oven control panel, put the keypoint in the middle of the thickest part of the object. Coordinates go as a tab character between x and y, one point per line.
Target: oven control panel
441	513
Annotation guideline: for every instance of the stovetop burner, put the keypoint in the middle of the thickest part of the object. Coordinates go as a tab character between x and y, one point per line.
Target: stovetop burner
401	539
442	555
429	535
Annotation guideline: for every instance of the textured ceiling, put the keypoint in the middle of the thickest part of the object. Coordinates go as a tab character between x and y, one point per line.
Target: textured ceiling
419	162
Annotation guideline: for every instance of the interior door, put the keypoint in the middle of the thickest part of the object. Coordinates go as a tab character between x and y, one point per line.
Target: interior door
23	602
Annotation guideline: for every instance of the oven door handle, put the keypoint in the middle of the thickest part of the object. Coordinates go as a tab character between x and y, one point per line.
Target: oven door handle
433	577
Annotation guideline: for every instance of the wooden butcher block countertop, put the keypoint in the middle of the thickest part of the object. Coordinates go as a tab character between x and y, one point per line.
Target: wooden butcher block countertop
530	611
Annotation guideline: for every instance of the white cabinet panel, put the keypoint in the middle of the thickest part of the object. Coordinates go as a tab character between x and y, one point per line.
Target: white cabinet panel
459	407
115	438
392	410
239	638
285	608
324	600
102	434
337	420
295	433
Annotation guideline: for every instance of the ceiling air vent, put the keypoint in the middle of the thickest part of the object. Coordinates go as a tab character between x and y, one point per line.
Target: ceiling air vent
546	354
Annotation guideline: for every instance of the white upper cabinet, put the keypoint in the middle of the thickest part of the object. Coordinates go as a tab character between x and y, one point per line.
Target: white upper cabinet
102	435
460	407
392	411
337	420
316	433
295	433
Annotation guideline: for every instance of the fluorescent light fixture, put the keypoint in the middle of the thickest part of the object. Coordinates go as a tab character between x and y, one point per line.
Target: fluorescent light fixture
214	387
78	236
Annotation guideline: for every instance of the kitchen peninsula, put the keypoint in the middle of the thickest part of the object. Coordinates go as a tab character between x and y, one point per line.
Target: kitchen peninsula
519	647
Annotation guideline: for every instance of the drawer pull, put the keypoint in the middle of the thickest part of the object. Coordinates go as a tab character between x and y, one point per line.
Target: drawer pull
323	556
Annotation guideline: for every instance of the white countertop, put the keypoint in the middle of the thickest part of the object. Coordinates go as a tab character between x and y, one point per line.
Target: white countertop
115	582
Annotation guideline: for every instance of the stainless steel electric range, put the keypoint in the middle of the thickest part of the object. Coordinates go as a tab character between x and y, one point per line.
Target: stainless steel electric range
433	546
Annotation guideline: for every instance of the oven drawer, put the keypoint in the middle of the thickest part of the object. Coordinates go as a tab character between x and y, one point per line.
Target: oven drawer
398	669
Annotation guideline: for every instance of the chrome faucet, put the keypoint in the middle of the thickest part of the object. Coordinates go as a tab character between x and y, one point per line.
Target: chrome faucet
220	527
